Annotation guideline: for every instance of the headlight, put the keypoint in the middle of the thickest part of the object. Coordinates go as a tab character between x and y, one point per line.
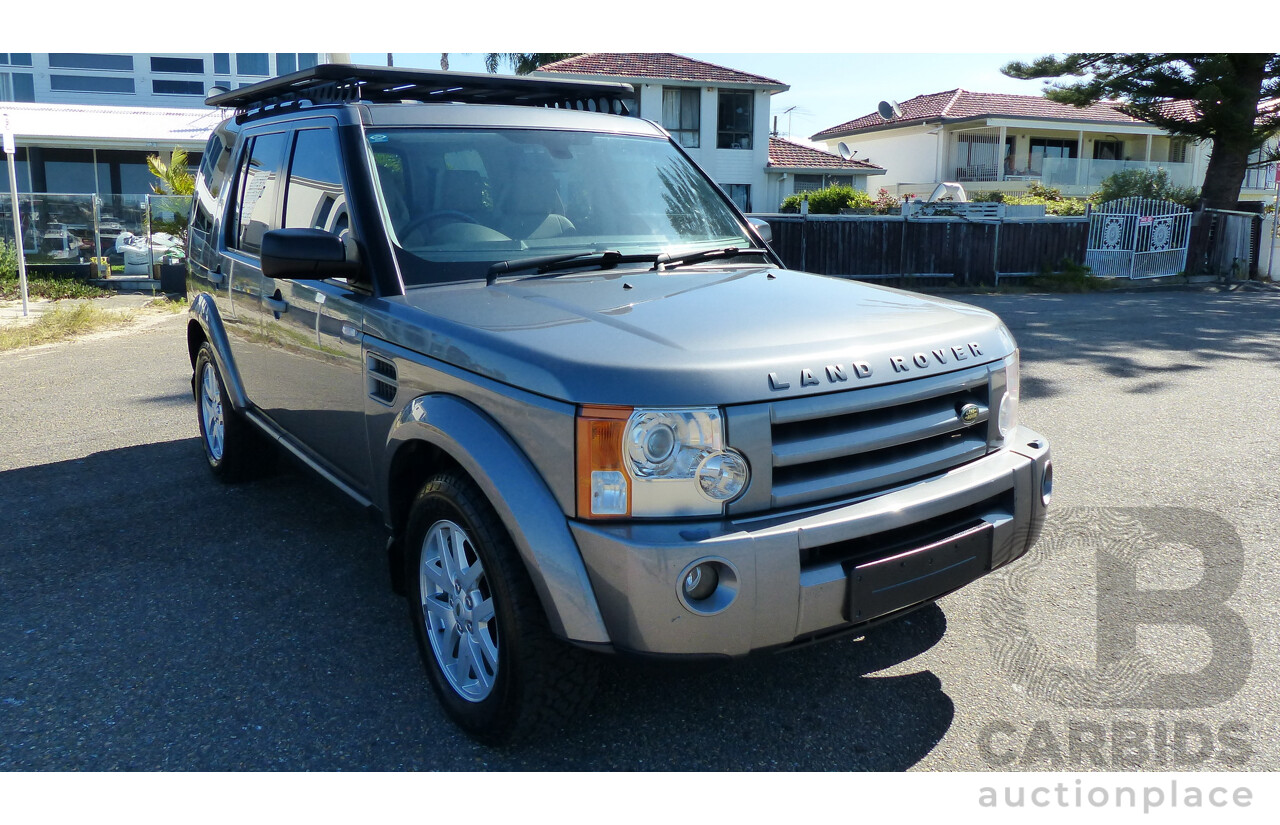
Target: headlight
655	462
1007	420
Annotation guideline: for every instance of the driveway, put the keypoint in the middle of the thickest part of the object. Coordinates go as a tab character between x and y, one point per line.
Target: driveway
157	620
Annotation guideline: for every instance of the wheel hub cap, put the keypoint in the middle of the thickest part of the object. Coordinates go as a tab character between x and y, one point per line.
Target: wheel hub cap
457	611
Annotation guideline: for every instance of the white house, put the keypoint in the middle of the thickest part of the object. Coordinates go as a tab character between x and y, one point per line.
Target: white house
794	167
1004	142
719	115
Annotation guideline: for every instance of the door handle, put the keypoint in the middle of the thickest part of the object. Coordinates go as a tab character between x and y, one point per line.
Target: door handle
276	305
215	275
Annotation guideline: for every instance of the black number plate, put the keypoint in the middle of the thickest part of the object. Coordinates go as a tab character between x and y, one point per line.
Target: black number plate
885	585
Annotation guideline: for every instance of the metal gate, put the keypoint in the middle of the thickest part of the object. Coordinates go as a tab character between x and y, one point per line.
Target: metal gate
1138	238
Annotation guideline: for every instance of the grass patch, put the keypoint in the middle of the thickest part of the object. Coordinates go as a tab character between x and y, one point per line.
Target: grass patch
45	288
171	306
62	323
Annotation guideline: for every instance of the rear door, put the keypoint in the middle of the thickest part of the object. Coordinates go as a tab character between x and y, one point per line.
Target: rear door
253	211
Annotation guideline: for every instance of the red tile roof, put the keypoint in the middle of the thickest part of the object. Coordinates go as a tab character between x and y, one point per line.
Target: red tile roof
959	104
786	154
658	65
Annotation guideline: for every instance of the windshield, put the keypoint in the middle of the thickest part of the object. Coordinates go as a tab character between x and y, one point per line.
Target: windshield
458	201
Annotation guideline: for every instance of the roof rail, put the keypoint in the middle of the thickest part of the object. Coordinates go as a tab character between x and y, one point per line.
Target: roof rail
344	83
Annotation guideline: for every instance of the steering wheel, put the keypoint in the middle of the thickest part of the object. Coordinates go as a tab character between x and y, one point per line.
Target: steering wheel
440	215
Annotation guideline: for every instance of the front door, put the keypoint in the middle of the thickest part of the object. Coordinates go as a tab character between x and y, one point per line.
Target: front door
313	330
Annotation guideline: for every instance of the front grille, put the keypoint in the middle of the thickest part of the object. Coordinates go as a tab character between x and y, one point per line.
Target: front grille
853	443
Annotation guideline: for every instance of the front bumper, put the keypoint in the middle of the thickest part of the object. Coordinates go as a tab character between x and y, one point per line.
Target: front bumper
808	573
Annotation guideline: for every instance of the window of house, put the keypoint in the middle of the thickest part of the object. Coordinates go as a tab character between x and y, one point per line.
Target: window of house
682	115
1178	150
222	64
177	87
22	172
90	83
123	172
1108	150
314	197
812	183
256	191
253	64
178	65
295	62
69	171
736	110
19	87
740	194
15	59
1042	148
109	62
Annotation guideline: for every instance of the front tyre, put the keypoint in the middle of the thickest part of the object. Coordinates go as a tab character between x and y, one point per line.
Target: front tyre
496	668
233	449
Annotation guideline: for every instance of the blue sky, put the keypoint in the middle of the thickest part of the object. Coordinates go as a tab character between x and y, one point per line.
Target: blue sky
826	89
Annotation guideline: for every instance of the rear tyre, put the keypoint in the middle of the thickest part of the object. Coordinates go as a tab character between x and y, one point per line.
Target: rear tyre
233	449
494	664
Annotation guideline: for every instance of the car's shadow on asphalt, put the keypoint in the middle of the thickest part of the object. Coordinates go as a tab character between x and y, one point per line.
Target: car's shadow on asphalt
158	620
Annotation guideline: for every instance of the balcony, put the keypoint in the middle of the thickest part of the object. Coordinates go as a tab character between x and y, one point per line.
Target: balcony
1064	173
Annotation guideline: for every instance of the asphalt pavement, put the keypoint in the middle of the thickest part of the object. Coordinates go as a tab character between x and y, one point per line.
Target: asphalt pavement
157	620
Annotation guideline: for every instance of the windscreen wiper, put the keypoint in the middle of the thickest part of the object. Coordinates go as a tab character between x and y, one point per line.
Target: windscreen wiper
606	259
667	260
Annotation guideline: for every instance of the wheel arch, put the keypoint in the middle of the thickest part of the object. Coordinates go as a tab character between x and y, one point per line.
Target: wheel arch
205	325
436	433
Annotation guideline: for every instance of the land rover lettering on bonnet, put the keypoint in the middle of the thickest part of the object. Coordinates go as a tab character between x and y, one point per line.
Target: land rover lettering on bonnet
593	411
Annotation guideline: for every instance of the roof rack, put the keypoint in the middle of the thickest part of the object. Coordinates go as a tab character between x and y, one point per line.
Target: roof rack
344	83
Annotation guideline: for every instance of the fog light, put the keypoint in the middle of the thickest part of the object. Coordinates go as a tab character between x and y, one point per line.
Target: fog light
707	586
701	582
1046	484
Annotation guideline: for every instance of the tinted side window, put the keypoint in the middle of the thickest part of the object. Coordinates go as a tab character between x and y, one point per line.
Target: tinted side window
213	169
315	198
256	191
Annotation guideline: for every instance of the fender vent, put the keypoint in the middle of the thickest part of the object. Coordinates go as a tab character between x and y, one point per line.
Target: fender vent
382	379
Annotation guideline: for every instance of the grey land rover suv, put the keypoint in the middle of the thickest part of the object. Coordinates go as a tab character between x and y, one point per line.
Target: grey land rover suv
593	410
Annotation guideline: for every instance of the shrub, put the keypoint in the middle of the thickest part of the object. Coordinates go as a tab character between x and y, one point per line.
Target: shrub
1052	199
8	259
1144	183
885	203
831	200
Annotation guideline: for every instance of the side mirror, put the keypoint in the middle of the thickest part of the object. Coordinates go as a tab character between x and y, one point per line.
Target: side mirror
308	254
762	229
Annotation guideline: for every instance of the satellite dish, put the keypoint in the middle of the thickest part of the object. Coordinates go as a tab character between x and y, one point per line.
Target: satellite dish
889	109
948	191
845	151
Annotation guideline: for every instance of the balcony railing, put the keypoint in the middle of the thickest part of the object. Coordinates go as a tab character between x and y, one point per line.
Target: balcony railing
1261	177
1059	172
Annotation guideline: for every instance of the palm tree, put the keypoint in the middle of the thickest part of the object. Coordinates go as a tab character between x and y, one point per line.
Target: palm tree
521	63
178	185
